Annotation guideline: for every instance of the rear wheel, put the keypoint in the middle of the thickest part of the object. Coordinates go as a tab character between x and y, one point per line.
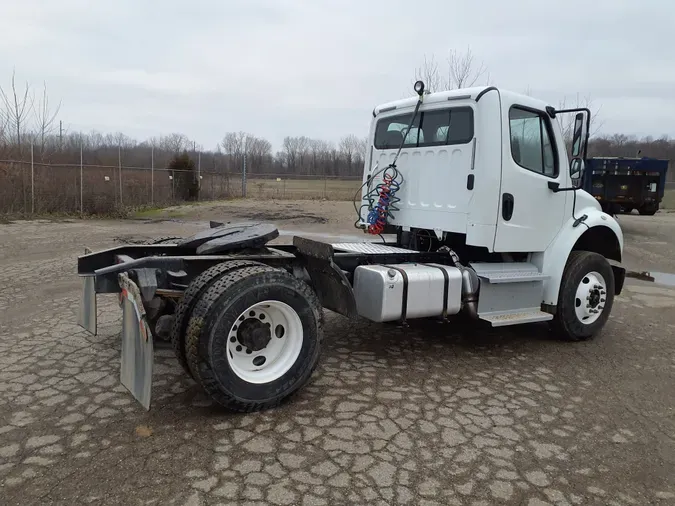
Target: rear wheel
186	304
586	296
648	209
254	338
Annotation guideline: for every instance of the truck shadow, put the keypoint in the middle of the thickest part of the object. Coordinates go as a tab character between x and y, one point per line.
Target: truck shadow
424	345
455	331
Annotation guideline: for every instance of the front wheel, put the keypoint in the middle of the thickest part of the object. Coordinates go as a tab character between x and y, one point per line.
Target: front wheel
254	338
586	296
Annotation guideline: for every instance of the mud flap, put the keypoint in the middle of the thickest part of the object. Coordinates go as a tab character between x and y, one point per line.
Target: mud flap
137	344
86	314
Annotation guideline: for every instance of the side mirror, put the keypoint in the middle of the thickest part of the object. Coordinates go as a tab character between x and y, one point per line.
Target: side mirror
576	171
578	135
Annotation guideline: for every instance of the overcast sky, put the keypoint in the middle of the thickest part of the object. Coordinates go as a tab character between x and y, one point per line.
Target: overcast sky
317	68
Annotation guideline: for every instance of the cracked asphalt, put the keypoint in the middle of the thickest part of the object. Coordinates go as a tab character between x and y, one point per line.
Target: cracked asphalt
435	414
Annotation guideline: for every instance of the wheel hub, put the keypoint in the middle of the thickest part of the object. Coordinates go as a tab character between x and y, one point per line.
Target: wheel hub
264	341
594	298
254	334
590	297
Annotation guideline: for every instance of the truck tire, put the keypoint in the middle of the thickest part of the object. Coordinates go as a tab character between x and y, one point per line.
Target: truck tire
586	296
187	302
648	209
254	338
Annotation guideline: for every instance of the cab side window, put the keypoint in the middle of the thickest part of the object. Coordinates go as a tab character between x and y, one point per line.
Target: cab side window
532	144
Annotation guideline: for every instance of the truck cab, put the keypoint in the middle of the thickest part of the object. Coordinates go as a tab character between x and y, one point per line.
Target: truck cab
477	162
486	172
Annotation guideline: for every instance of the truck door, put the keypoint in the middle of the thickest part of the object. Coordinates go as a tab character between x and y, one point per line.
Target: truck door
530	214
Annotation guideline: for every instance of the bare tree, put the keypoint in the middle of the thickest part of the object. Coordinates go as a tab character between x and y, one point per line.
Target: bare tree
303	145
463	70
44	121
566	121
259	151
174	143
17	107
349	149
5	137
290	150
430	73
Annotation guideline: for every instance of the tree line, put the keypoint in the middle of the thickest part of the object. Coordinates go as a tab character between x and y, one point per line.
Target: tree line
29	122
29	127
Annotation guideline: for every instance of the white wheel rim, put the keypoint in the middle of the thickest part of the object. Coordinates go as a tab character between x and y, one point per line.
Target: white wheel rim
589	302
249	357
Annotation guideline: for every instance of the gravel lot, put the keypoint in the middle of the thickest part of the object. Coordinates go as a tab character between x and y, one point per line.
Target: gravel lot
437	414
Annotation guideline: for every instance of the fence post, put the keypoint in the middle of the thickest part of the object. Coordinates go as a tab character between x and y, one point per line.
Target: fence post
81	182
119	164
32	180
152	176
243	176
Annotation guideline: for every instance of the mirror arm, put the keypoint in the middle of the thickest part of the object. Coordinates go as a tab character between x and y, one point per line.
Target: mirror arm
555	187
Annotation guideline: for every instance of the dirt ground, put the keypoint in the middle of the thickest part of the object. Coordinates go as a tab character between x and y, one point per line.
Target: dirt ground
436	414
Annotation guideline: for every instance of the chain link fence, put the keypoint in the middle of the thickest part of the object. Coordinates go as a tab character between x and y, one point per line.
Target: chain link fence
42	188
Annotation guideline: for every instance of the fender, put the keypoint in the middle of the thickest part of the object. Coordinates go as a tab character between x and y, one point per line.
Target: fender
599	232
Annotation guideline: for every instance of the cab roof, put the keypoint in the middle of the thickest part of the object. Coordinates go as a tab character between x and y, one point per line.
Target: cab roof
472	93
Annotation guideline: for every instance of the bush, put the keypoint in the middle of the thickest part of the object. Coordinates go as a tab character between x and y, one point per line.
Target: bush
186	184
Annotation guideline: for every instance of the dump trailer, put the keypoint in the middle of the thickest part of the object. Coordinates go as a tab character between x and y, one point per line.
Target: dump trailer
467	208
621	185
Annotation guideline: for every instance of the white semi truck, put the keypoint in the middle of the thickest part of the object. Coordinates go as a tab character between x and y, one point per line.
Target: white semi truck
485	217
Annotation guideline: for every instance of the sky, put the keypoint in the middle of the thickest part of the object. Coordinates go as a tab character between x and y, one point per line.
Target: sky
318	68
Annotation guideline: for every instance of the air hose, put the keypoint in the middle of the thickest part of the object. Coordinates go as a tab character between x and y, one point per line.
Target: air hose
381	200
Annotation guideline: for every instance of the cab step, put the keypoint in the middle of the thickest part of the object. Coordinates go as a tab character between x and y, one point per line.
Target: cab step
516	317
508	272
510	293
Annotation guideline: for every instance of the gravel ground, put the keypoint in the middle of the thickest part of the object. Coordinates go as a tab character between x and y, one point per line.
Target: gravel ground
436	414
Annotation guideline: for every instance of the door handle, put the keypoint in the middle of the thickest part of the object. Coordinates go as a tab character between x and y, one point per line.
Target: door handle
469	182
507	206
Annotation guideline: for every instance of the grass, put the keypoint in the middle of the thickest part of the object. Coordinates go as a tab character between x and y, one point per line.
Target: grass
158	212
330	189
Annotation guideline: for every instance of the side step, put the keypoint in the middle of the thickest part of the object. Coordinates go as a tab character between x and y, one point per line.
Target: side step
510	293
370	248
504	319
508	272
